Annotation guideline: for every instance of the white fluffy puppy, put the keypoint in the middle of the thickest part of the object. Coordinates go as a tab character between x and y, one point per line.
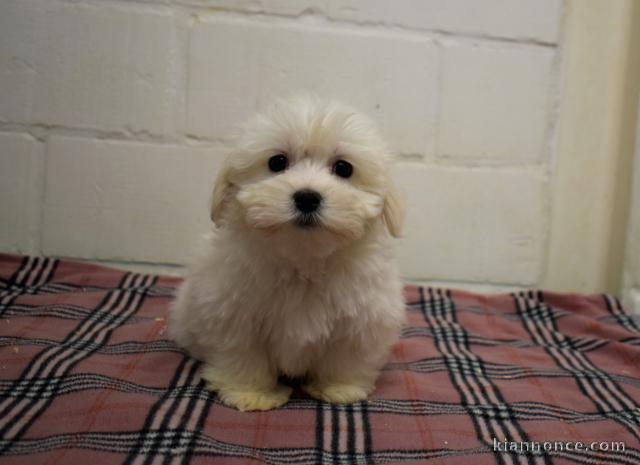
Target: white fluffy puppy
298	278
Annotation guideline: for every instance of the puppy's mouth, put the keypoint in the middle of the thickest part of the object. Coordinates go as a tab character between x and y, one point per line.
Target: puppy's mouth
307	221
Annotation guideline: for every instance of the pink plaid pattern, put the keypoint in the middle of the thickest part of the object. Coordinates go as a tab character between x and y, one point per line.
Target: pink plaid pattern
87	375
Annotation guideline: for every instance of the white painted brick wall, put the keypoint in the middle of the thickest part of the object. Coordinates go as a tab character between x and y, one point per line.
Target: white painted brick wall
21	180
115	114
365	69
126	200
535	20
494	102
17	56
466	224
105	67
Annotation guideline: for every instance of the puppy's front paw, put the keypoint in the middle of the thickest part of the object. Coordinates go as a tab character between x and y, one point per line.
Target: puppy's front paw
246	400
336	393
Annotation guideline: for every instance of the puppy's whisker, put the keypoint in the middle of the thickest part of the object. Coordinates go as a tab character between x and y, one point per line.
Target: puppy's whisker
308	220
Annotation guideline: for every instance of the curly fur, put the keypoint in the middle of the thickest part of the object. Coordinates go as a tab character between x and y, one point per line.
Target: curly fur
266	297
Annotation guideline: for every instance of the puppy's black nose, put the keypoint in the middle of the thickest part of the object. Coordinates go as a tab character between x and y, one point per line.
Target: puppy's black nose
307	201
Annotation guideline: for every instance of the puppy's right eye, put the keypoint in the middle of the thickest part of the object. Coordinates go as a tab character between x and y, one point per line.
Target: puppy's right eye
278	163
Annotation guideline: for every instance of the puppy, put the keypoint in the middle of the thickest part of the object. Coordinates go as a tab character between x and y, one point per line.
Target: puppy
298	278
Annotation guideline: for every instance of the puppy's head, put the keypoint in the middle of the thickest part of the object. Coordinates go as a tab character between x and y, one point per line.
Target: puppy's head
309	177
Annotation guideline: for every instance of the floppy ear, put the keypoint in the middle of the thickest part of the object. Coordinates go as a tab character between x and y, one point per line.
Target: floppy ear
393	209
220	192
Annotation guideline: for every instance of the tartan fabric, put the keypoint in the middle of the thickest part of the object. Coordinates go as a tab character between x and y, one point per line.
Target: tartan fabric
87	375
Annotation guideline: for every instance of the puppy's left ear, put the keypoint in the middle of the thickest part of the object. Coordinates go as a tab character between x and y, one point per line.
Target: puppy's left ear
221	191
393	209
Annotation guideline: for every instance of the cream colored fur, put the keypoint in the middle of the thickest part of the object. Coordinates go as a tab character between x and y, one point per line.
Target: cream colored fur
265	297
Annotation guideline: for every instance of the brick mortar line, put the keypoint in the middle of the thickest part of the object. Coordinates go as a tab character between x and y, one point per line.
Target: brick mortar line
320	18
42	133
551	134
400	158
321	21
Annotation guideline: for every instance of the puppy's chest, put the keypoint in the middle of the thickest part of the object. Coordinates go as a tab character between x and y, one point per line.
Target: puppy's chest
303	331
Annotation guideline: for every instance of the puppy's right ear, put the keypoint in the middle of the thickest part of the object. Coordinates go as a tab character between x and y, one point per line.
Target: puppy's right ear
221	190
393	210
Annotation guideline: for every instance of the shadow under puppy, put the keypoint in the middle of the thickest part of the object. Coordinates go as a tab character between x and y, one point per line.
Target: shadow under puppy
298	278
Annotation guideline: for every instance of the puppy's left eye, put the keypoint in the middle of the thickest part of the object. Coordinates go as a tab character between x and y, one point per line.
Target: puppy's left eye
278	163
342	168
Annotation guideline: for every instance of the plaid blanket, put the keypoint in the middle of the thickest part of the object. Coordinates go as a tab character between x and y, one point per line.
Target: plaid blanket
87	376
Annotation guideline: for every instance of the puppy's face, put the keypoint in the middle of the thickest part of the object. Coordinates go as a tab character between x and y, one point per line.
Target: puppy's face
309	178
